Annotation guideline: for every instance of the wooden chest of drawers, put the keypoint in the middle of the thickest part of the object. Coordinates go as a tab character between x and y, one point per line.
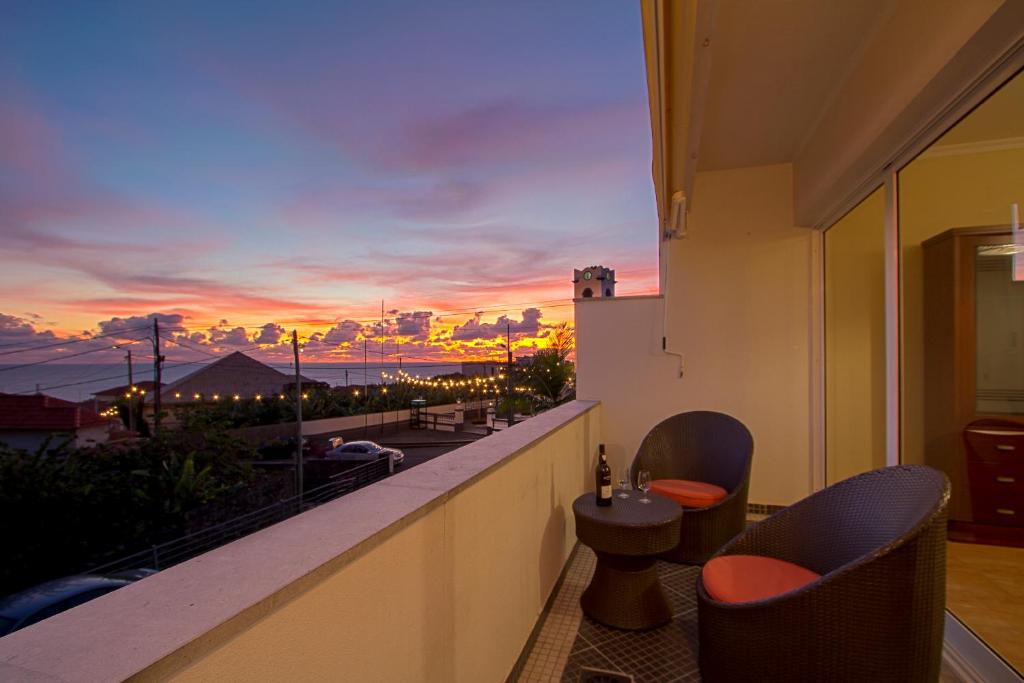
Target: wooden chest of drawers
995	471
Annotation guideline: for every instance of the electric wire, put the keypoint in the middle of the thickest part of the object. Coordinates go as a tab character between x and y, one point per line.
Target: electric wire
69	341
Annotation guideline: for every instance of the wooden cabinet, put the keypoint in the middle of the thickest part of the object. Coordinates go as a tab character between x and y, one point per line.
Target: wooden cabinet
974	371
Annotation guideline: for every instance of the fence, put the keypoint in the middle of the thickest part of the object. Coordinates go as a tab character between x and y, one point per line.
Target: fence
178	550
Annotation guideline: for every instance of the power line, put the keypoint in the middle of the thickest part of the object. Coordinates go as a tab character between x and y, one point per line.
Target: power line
68	342
178	342
52	360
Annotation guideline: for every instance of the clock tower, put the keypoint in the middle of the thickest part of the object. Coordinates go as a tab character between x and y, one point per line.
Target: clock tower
594	282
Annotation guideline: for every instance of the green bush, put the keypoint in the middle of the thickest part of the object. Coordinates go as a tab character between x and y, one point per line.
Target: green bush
63	509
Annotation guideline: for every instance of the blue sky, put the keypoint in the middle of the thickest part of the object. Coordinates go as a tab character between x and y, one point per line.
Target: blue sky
295	163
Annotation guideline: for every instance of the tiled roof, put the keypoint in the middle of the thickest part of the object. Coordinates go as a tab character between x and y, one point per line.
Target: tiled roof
235	373
44	413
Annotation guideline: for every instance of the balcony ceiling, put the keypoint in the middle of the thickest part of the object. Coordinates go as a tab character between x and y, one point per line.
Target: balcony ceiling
776	64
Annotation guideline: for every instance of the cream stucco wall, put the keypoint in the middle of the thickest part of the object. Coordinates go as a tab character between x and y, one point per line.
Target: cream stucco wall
740	310
855	341
452	596
936	194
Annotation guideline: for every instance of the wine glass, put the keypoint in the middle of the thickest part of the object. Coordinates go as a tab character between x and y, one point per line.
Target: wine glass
624	483
643	482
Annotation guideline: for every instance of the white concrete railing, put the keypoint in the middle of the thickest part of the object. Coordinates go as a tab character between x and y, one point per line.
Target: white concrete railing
435	574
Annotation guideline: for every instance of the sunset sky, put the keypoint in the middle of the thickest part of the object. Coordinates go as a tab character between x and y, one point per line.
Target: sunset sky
243	168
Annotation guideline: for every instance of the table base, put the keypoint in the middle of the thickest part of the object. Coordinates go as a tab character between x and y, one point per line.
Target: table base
625	593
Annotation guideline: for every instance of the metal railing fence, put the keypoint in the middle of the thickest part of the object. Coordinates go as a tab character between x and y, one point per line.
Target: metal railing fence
169	553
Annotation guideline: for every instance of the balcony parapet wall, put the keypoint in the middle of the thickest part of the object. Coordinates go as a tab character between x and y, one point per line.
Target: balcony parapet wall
436	573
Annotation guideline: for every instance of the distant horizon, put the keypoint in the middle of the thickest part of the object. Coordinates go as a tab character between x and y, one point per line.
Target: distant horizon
163	162
78	381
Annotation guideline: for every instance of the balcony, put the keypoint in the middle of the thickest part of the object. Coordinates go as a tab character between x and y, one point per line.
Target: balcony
465	568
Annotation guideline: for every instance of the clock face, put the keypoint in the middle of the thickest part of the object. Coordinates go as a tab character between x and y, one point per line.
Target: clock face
587	275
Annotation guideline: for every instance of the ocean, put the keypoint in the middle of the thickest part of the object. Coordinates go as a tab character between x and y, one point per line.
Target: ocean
78	382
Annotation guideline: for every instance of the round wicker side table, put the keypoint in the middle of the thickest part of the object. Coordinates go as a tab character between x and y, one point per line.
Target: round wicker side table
627	537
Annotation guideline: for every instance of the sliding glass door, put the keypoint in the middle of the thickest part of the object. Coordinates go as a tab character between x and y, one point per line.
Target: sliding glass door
855	341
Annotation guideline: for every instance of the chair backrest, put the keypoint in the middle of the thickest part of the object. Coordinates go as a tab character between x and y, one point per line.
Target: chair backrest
851	519
701	445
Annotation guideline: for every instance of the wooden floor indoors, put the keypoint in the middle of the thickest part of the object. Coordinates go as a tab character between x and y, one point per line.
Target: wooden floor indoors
985	590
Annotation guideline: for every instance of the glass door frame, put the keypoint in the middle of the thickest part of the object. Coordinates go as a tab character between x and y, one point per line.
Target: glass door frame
929	131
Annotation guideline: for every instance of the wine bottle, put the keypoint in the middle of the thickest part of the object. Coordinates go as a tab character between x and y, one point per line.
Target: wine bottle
604	479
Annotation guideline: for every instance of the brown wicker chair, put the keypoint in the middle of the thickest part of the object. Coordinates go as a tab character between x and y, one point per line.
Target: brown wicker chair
709	447
876	613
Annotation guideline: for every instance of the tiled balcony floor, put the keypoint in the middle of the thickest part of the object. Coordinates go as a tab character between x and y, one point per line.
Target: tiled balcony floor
569	644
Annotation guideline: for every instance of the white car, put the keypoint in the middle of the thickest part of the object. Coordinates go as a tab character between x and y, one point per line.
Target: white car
364	451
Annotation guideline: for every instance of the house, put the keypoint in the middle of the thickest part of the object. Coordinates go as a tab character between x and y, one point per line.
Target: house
27	422
826	173
107	396
482	368
233	377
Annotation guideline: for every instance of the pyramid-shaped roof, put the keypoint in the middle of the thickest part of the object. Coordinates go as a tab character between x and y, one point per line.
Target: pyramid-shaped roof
233	374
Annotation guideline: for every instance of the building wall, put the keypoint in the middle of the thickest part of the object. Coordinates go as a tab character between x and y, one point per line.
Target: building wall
739	310
91	436
28	441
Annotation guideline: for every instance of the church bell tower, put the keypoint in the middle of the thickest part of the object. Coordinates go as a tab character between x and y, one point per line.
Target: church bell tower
594	282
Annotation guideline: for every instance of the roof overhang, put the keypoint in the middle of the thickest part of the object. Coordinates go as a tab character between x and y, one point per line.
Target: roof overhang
677	34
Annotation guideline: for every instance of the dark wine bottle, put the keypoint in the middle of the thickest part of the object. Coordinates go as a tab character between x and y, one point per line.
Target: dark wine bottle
604	479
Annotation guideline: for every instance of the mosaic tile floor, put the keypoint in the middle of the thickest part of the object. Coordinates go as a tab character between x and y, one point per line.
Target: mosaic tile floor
570	644
571	648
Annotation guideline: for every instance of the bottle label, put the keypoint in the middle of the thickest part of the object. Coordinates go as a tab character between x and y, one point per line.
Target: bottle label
606	491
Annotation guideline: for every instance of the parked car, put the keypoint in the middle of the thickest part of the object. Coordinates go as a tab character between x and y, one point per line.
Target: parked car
52	597
365	451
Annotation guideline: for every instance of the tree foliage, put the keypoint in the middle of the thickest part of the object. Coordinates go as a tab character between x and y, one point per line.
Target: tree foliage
64	509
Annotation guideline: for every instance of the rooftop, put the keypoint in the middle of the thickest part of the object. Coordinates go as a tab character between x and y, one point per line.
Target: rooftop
44	413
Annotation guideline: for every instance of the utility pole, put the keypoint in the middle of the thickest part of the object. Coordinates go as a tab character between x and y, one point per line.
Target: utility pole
398	352
158	361
508	373
366	392
382	382
131	394
298	418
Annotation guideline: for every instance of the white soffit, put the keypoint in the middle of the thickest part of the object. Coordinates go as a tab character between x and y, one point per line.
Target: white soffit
776	66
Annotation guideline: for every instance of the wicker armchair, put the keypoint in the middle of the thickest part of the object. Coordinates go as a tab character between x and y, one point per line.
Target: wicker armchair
708	447
876	614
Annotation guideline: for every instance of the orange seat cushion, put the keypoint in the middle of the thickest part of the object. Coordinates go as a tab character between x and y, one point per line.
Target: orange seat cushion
745	578
689	494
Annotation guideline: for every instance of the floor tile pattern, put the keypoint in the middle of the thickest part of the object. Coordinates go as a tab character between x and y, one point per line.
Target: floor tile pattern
665	655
